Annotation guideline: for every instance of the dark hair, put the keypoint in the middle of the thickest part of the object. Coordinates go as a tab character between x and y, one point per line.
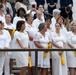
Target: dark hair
41	26
47	18
59	18
1	1
68	8
8	14
27	16
20	9
19	24
1	22
19	1
1	6
58	23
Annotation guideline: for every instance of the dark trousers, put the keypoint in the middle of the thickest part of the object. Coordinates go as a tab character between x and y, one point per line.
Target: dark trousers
50	10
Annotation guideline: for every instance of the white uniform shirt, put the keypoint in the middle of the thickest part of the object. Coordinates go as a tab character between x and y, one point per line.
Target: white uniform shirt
16	19
2	18
21	56
5	40
60	40
32	31
64	30
36	22
72	39
23	37
42	62
74	6
43	40
9	26
53	20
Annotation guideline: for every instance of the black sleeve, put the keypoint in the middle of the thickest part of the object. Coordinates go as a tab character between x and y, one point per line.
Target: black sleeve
72	2
35	16
70	15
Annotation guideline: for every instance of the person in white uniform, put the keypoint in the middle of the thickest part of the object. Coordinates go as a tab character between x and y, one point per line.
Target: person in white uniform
63	28
31	32
4	44
30	28
56	14
8	25
41	8
71	56
20	16
49	31
21	41
7	7
38	20
2	16
41	40
32	8
74	10
59	42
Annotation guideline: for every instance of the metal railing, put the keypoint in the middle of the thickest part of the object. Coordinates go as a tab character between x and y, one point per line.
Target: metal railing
36	53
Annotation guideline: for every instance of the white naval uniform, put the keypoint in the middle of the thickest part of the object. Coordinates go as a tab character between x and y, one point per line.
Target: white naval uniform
21	57
74	10
36	23
4	42
2	18
11	26
7	59
16	19
64	31
42	62
52	25
71	59
32	31
57	67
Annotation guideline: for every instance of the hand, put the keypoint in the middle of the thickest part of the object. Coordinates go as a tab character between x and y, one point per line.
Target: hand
6	48
25	48
63	48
